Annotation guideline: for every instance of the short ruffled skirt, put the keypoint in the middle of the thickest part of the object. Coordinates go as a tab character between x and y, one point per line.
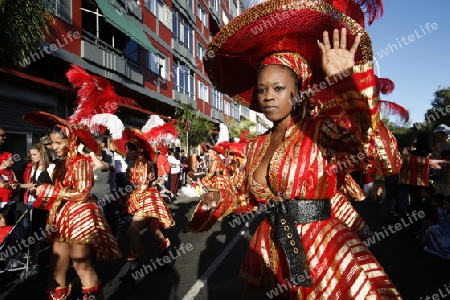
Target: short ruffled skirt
83	223
149	203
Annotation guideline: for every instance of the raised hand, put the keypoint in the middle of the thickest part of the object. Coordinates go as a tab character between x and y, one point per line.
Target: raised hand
337	58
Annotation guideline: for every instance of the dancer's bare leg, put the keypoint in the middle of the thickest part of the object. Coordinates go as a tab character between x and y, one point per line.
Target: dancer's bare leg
59	264
82	263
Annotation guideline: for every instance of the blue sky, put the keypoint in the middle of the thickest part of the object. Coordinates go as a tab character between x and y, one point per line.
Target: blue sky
419	68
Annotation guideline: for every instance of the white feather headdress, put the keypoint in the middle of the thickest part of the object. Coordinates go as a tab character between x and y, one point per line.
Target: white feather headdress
158	132
110	121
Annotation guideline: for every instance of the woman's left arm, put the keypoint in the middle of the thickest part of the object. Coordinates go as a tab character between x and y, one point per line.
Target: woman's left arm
354	84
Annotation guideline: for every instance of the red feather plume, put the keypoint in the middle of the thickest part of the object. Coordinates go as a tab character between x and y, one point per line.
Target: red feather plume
372	8
95	94
394	108
161	136
385	85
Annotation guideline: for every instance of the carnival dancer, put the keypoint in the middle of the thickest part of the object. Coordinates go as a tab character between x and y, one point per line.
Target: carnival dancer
291	168
79	232
217	179
145	203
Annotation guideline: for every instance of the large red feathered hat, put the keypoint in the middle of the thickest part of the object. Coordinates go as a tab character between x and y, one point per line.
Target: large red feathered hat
96	104
96	95
283	32
137	137
238	148
159	133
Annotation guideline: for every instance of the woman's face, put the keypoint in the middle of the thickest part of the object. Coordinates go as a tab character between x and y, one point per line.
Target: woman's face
59	144
131	152
275	91
35	155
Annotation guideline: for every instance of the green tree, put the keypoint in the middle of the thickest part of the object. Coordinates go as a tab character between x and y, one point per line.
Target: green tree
200	127
439	113
237	129
23	24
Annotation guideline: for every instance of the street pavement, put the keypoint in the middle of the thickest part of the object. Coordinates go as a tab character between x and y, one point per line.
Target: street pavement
207	264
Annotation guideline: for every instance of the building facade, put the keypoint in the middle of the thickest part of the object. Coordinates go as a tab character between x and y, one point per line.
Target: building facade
150	50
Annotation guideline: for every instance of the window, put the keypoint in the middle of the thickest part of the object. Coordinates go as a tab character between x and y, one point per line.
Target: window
225	19
233	8
245	111
216	99
189	3
157	64
227	109
234	111
203	91
154	6
200	50
61	9
202	15
215	4
183	80
182	30
131	50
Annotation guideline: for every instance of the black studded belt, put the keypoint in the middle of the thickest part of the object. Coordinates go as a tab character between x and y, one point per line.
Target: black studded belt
283	216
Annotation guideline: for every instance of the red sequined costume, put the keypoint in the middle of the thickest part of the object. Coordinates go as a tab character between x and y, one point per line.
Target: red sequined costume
340	264
304	167
146	201
74	214
217	179
302	244
342	208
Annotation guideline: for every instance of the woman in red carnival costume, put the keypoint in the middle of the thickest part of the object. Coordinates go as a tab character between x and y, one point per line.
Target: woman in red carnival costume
292	167
79	231
145	203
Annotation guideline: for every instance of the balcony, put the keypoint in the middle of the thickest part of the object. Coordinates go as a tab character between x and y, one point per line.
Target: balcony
183	51
217	114
179	97
185	9
103	55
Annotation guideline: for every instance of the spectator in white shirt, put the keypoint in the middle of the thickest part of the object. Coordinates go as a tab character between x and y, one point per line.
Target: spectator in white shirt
175	169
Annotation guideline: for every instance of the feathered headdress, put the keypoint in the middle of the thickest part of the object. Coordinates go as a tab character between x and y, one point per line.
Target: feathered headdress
97	102
386	86
159	133
138	138
95	94
110	121
223	140
238	148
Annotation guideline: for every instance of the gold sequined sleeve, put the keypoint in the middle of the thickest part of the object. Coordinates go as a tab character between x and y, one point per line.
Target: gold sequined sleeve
357	94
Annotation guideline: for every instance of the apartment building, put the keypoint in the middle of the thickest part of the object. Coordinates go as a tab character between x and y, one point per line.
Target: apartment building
150	50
